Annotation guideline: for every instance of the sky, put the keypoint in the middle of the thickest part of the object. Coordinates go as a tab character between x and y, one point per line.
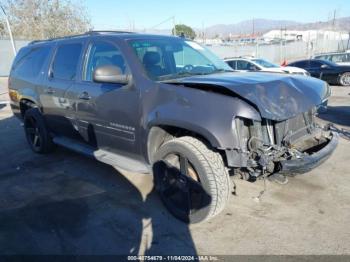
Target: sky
146	14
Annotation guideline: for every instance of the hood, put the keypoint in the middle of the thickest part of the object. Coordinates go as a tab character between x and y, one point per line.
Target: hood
277	96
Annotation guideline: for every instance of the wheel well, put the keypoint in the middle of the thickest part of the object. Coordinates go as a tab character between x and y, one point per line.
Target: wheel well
160	134
24	105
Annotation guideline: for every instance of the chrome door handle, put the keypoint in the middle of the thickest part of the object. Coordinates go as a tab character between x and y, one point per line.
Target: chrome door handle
84	96
49	91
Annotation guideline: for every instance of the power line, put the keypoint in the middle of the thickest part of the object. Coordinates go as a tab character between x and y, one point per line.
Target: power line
163	22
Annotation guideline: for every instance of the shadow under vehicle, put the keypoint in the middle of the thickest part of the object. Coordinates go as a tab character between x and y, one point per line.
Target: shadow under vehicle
150	104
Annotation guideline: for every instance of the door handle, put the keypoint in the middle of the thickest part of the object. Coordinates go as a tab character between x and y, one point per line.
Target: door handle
84	96
49	91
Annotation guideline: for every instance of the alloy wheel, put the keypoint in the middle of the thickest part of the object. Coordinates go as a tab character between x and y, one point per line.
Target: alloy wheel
180	187
345	79
33	133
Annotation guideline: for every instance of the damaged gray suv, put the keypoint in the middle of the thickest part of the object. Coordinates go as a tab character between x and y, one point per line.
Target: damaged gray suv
168	106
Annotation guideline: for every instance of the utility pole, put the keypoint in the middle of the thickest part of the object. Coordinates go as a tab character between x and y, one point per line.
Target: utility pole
10	32
174	27
203	32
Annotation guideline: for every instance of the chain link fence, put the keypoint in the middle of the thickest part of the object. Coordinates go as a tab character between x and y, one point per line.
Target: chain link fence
277	52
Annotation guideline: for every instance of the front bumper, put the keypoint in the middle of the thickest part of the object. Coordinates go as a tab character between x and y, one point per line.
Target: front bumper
305	164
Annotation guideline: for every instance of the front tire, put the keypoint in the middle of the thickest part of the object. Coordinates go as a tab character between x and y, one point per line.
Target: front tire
191	179
37	133
344	79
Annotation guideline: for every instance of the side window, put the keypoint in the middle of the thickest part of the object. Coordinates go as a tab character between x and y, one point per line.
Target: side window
242	65
153	58
252	67
101	54
232	64
29	62
339	58
245	65
66	61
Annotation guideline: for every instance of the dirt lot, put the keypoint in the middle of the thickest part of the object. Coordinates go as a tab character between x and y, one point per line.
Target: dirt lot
64	203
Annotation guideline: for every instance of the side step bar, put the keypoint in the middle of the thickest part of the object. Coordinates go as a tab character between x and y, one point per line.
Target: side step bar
106	157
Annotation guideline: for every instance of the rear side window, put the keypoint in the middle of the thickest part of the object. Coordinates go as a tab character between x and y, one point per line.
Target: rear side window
29	62
245	65
232	64
66	61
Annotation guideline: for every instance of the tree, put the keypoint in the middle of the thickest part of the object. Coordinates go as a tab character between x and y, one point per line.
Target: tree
44	19
184	30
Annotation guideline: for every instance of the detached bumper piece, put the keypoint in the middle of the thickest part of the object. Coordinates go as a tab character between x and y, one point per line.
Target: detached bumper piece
308	162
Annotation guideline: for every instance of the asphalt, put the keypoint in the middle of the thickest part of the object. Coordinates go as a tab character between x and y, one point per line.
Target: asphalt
65	203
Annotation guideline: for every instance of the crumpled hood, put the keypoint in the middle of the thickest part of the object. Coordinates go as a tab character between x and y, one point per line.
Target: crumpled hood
277	96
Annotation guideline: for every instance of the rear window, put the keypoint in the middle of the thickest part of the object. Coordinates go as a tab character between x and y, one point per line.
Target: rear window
66	61
30	61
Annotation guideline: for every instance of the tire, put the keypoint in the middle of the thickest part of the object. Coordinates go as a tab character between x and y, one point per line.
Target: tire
204	183
344	79
37	133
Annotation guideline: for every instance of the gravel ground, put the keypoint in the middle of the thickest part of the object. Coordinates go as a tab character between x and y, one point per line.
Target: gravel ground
64	203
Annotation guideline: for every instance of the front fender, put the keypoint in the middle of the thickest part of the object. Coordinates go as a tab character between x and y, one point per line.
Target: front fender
206	113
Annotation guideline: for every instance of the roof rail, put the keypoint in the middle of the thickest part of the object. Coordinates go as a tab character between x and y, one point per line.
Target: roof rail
81	35
57	38
97	32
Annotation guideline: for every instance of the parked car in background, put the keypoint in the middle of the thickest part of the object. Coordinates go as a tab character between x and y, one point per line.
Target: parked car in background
262	65
325	70
340	58
167	106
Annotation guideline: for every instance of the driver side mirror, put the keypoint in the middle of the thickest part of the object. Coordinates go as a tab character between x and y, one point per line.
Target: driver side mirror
110	74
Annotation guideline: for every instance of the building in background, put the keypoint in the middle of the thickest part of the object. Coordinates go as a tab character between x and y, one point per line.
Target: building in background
306	35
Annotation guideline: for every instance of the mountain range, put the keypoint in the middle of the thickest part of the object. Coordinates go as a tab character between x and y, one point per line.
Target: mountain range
260	26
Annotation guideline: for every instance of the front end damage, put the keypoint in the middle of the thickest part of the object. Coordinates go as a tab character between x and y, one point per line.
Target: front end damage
288	147
285	138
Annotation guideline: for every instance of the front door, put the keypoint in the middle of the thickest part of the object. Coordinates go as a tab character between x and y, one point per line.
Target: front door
106	114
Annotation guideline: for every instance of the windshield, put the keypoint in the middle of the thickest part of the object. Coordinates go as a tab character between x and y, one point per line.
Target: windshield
265	63
171	58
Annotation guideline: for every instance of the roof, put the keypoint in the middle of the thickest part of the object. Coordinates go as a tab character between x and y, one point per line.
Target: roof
119	34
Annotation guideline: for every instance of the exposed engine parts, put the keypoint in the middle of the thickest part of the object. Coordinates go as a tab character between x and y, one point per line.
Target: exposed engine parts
267	144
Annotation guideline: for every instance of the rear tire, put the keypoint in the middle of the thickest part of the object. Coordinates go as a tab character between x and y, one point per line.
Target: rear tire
191	179
344	79
37	133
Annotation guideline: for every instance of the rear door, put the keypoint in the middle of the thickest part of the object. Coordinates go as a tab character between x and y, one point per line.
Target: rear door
61	76
107	114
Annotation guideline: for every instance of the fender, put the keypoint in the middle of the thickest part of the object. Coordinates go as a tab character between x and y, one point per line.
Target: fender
206	113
